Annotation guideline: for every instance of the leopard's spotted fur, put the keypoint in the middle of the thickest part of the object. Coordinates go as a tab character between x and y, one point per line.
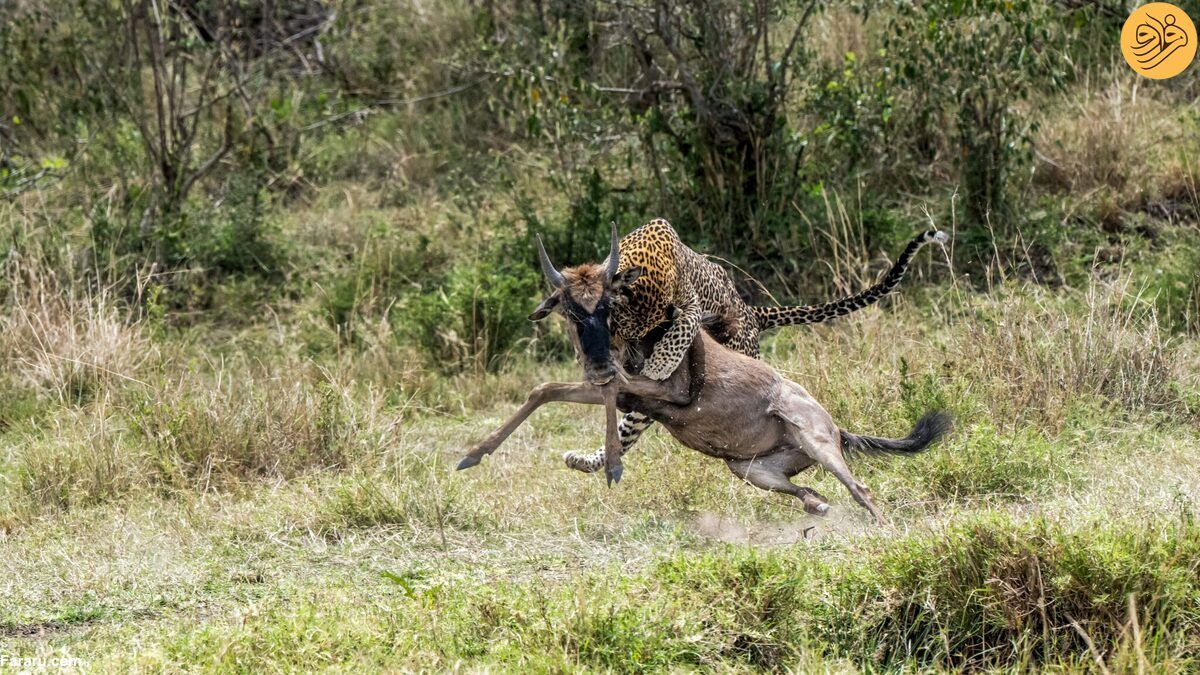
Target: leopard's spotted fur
676	277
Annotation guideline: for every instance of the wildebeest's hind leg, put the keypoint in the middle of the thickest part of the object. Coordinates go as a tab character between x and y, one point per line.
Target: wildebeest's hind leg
826	449
815	434
771	473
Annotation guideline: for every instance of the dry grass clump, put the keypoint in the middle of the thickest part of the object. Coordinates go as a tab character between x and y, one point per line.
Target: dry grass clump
1113	142
1042	356
63	341
195	434
204	434
1018	354
81	457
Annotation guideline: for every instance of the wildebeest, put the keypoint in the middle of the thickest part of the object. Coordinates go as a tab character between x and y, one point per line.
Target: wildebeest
719	402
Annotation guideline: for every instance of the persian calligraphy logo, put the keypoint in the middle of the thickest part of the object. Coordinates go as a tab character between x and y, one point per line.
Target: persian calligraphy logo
1158	40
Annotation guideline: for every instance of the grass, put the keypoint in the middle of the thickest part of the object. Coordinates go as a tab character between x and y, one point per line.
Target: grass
984	590
252	469
262	511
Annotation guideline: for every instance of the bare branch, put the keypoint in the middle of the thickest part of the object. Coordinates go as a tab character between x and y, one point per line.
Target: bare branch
699	104
781	76
226	146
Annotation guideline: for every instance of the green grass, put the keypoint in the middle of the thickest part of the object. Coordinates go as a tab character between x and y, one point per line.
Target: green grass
246	463
987	590
261	512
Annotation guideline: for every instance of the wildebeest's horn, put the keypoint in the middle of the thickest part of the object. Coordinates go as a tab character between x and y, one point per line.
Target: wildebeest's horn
614	254
556	279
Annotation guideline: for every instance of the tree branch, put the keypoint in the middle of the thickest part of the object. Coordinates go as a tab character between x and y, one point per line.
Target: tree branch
782	74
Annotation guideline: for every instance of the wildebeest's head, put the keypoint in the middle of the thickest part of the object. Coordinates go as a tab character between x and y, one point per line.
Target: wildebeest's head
584	295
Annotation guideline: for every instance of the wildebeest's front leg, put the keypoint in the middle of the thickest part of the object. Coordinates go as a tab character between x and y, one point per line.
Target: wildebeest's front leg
541	395
680	389
612	438
570	393
630	428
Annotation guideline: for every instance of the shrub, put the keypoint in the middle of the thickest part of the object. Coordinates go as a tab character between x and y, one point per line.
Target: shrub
237	238
710	146
967	64
991	591
478	312
386	265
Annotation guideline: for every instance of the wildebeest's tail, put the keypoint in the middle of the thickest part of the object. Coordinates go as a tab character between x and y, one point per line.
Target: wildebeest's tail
773	317
929	430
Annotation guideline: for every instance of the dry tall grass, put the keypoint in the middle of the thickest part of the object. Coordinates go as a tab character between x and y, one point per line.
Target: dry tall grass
1043	354
1110	145
63	340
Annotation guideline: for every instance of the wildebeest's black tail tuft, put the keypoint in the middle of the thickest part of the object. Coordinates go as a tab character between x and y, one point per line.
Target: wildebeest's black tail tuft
928	430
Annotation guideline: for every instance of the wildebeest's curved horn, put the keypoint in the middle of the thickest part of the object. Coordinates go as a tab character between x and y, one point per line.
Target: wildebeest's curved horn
614	254
556	278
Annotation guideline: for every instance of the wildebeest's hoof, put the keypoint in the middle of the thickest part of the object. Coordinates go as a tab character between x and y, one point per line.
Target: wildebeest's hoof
468	462
815	506
614	474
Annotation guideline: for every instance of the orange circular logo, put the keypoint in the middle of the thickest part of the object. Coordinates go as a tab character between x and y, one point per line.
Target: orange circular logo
1158	40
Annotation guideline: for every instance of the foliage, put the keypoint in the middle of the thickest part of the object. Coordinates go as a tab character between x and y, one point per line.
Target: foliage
969	63
699	85
477	313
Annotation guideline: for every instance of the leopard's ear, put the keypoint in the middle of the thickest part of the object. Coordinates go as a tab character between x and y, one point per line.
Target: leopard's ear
624	279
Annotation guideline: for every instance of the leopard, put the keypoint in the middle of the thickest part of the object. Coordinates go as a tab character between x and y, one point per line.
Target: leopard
686	291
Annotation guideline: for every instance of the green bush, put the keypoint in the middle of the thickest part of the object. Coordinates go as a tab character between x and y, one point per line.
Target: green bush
239	239
853	102
366	283
478	312
964	65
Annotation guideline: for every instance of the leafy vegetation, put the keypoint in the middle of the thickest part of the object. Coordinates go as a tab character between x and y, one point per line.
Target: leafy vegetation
267	272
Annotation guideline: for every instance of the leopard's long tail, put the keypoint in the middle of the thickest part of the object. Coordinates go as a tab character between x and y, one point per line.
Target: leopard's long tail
773	317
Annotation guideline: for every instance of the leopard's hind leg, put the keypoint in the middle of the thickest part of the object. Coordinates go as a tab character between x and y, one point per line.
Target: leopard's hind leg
630	429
